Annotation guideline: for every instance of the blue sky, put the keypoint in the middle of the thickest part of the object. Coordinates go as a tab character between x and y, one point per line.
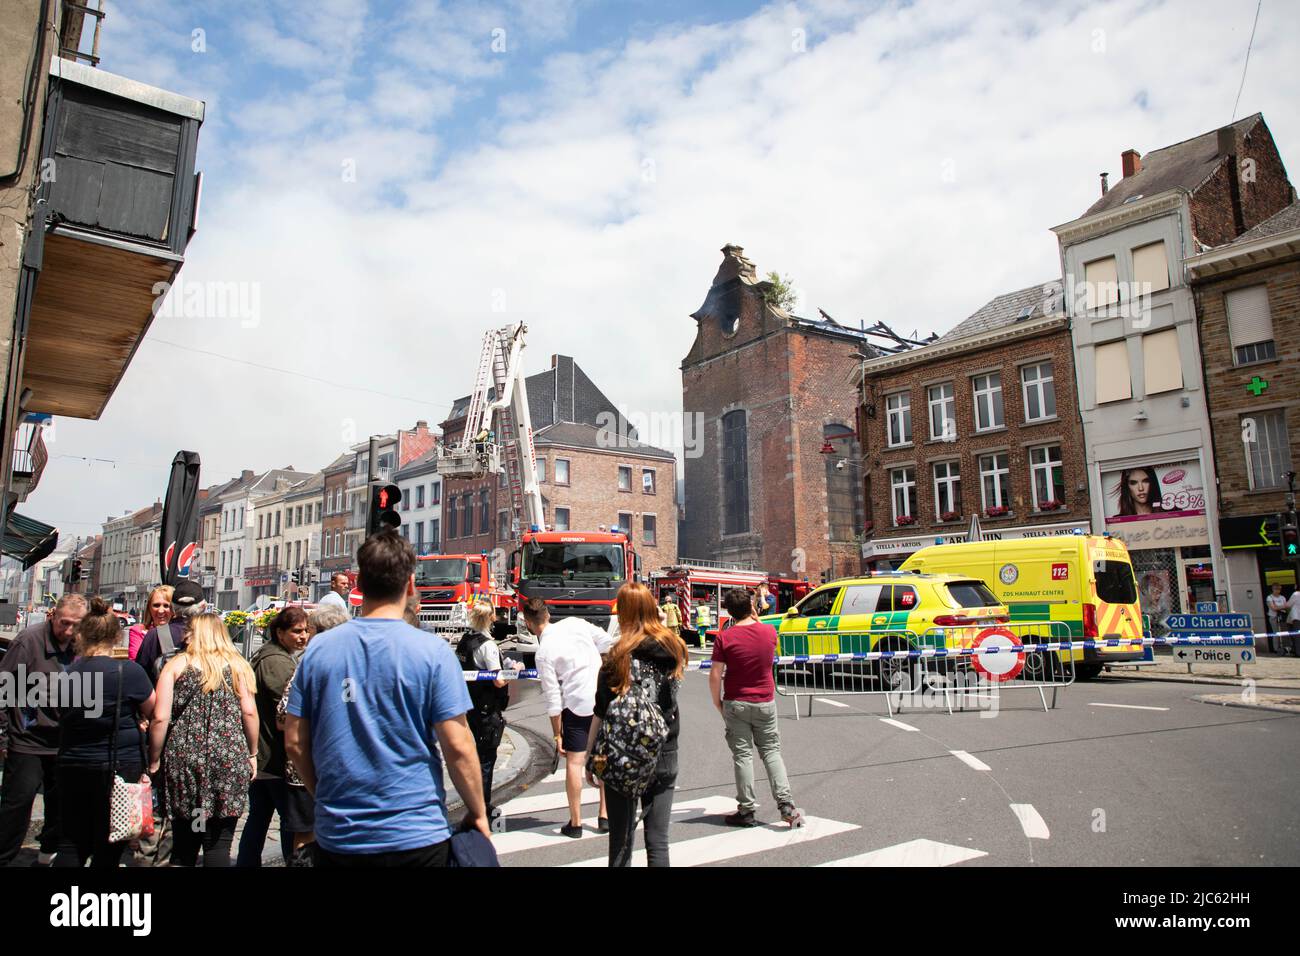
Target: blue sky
390	185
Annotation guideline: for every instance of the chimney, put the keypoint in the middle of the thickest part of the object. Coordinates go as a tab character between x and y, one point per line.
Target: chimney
246	475
1131	160
1227	141
1104	185
1228	149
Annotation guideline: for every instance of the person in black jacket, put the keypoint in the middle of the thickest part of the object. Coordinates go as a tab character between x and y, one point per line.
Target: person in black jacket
642	637
478	652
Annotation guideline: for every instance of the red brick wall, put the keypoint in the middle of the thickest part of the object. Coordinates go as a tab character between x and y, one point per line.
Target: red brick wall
1226	393
415	443
1262	189
334	522
1005	357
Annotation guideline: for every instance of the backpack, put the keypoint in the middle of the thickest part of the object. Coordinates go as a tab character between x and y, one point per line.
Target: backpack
632	735
167	650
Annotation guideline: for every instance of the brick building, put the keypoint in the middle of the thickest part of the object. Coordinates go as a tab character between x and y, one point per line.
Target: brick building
1142	395
588	457
982	421
1248	315
334	556
771	391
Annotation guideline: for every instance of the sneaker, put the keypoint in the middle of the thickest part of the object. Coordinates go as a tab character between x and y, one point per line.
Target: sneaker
792	815
741	818
569	830
602	824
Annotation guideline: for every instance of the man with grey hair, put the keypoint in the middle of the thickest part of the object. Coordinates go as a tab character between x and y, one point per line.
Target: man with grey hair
29	736
161	645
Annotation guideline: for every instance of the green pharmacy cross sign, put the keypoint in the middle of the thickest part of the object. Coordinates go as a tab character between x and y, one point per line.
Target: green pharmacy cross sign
1257	386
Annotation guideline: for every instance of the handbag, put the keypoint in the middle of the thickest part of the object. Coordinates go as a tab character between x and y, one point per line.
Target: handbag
130	805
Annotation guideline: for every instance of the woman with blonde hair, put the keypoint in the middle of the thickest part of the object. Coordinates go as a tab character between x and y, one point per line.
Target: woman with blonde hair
204	734
157	612
477	651
647	651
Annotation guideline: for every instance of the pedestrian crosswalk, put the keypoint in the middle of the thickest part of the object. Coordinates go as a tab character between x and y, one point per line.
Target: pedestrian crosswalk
698	837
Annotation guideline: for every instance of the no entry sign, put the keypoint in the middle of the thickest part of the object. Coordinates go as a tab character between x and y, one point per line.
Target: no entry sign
1000	666
354	597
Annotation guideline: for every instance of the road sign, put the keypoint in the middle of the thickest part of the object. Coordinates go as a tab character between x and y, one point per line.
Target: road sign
1207	607
1214	654
354	597
284	577
1000	666
1208	623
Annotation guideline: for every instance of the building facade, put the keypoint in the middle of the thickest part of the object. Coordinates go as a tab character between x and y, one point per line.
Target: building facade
1138	361
336	476
981	422
421	504
1248	315
303	513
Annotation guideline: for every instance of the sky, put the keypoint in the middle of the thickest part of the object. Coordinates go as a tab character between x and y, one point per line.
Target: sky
385	181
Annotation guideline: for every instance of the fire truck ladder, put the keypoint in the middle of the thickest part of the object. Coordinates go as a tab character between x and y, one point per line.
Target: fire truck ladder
510	442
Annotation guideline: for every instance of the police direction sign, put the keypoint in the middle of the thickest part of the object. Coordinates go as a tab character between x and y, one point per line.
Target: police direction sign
1240	651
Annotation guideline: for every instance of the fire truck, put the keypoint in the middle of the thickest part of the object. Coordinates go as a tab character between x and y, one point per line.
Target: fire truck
577	573
448	583
701	584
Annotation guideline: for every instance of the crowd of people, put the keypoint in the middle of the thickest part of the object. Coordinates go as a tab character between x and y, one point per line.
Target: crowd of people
345	739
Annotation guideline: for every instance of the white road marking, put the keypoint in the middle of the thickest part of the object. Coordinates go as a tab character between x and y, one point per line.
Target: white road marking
1128	706
833	703
726	846
1031	821
973	762
912	853
515	841
546	801
552	778
899	724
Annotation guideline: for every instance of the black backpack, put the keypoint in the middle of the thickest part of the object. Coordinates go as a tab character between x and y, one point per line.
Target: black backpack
632	735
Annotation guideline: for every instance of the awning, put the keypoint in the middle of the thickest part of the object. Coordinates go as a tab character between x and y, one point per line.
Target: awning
27	539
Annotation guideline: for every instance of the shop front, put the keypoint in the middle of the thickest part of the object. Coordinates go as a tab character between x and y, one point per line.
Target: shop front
886	554
1254	562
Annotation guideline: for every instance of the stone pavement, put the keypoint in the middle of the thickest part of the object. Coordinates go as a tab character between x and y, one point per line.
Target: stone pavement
1270	670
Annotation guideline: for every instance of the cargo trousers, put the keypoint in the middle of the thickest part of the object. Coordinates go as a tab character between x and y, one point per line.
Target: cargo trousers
750	725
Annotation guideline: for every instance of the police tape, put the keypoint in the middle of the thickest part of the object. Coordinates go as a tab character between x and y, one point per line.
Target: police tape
531	674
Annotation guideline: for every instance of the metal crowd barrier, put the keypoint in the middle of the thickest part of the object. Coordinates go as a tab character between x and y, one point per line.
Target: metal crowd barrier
449	622
850	672
983	675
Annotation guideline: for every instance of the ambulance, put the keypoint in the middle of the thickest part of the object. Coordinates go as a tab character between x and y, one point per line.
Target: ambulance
1085	582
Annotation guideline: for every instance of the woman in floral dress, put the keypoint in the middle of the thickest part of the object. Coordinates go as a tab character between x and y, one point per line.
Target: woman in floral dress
204	735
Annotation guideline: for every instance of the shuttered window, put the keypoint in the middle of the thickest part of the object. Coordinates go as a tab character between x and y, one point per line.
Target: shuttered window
1162	365
1151	266
1113	381
1101	283
1250	324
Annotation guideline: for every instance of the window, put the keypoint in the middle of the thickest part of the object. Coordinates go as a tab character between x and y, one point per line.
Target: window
434	530
735	473
947	488
943	412
647	481
435	493
223	564
1250	324
1113	381
276	559
1268	457
1162	364
898	410
1150	267
297	553
1040	391
541	471
419	536
259	555
904	599
467	516
277	522
1115	584
419	496
625	522
503	525
819	603
501	479
648	527
561	471
484	517
406	532
988	401
561	519
298	511
317	512
843	481
406	499
903	483
864	599
338	542
972	594
995	475
451	518
1100	283
624	478
1046	475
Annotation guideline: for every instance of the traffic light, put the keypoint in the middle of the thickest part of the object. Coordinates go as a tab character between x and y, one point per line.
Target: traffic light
383	508
294	576
76	570
1289	536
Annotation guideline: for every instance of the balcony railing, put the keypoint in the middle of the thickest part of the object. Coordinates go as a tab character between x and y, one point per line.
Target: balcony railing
30	457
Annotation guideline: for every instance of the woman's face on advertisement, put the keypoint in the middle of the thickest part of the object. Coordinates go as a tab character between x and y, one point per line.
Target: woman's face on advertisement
1139	487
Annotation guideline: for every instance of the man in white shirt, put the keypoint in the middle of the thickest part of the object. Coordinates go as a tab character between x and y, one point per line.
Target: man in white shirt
1293	620
568	664
337	594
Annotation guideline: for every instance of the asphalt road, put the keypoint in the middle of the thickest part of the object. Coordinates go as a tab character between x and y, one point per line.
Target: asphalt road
1182	784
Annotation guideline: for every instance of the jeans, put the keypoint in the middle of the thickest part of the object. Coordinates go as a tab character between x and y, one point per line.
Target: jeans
215	839
83	796
657	806
749	725
25	774
436	854
265	796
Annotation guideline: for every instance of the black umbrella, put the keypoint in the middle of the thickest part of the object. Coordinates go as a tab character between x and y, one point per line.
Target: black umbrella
178	541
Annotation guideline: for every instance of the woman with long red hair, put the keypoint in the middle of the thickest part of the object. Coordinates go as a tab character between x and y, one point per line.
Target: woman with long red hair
650	655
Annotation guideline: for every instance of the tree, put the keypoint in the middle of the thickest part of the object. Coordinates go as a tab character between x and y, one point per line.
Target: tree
779	292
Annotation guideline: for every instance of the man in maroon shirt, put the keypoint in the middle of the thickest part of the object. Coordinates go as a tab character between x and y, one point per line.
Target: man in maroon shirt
744	691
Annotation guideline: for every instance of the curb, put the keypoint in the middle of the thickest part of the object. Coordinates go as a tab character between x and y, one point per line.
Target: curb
504	777
1217	700
1192	679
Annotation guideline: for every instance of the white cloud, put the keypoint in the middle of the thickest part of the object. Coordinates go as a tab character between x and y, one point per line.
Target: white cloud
905	168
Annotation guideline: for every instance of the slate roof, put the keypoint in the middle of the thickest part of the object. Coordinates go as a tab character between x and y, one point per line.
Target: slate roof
426	464
1284	220
582	435
1187	165
1023	305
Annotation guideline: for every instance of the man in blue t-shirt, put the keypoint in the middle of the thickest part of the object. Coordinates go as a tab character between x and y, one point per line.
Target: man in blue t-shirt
368	699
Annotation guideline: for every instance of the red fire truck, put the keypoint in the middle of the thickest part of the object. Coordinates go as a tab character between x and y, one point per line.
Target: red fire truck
449	583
